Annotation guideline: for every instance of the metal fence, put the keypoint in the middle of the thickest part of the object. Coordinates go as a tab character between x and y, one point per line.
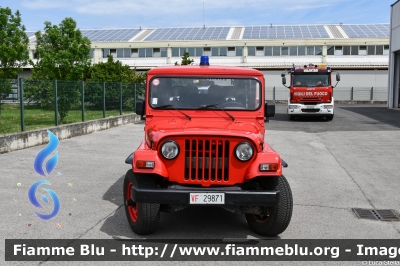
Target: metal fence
339	94
42	103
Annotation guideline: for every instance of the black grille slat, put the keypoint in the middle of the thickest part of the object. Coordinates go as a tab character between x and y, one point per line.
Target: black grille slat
310	110
206	160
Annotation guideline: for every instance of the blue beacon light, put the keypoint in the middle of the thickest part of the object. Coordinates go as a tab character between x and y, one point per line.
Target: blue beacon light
204	61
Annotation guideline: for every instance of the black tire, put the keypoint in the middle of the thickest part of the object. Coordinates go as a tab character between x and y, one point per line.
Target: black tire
291	117
143	218
279	216
329	117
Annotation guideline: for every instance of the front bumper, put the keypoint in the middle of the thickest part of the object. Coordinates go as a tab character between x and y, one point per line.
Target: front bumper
310	110
179	195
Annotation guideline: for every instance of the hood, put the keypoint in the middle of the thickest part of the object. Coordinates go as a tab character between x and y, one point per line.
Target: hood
157	130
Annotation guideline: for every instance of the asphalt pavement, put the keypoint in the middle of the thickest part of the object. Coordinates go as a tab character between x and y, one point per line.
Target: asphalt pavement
350	162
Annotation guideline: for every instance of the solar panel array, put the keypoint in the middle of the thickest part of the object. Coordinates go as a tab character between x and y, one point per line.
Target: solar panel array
367	31
285	32
30	33
221	33
114	35
210	33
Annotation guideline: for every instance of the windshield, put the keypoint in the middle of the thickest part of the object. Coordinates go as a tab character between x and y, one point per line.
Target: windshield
196	93
314	80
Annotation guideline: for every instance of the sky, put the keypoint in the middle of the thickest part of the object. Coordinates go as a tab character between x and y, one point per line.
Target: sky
111	14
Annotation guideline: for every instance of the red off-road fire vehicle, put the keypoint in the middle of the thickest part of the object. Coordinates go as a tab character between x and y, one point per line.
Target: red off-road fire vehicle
311	91
204	145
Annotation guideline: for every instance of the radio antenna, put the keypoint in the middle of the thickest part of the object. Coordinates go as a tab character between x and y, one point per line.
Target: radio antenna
204	26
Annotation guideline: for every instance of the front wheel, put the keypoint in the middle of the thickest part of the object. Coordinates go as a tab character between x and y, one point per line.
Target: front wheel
275	219
329	117
143	218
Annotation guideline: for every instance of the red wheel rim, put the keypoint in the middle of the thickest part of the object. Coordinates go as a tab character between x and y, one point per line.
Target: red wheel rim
132	210
259	219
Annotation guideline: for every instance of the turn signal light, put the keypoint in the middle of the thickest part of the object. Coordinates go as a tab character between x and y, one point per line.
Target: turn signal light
268	167
144	164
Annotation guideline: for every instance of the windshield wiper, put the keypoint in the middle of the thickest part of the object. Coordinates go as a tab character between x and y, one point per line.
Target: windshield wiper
216	106
171	105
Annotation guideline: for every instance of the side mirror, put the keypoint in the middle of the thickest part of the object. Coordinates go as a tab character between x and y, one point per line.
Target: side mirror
283	80
337	77
269	109
139	107
283	75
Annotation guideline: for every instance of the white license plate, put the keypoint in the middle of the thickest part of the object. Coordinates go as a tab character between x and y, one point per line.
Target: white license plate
310	106
207	198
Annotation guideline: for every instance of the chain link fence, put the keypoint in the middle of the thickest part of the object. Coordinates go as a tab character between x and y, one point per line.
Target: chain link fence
33	104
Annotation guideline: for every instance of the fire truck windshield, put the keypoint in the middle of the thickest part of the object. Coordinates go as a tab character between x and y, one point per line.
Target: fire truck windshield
310	80
196	92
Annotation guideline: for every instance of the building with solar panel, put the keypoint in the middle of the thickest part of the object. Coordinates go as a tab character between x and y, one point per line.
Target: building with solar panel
360	52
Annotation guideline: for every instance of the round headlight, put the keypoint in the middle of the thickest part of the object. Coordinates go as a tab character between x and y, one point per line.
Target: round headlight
244	151
170	149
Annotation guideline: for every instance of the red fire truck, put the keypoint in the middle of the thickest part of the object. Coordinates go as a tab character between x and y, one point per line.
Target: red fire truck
204	145
311	91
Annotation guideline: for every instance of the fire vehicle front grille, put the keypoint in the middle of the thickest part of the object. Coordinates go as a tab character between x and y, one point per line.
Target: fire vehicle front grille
310	110
310	99
207	160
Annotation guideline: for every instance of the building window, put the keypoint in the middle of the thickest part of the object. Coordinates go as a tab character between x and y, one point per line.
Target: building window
106	52
163	52
310	50
142	52
251	51
318	50
362	50
231	51
386	49
301	50
354	50
239	51
175	52
127	53
293	50
214	51
199	51
134	52
113	52
149	52
259	51
338	50
346	50
207	51
156	52
268	51
379	50
120	53
223	51
371	49
285	51
276	51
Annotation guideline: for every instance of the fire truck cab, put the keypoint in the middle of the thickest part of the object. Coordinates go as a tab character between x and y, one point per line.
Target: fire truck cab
311	91
204	145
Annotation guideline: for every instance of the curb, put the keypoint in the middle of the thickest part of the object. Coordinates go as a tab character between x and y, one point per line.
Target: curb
27	139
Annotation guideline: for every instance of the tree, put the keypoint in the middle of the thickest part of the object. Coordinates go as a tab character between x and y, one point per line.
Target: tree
185	59
14	53
13	49
113	71
62	54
